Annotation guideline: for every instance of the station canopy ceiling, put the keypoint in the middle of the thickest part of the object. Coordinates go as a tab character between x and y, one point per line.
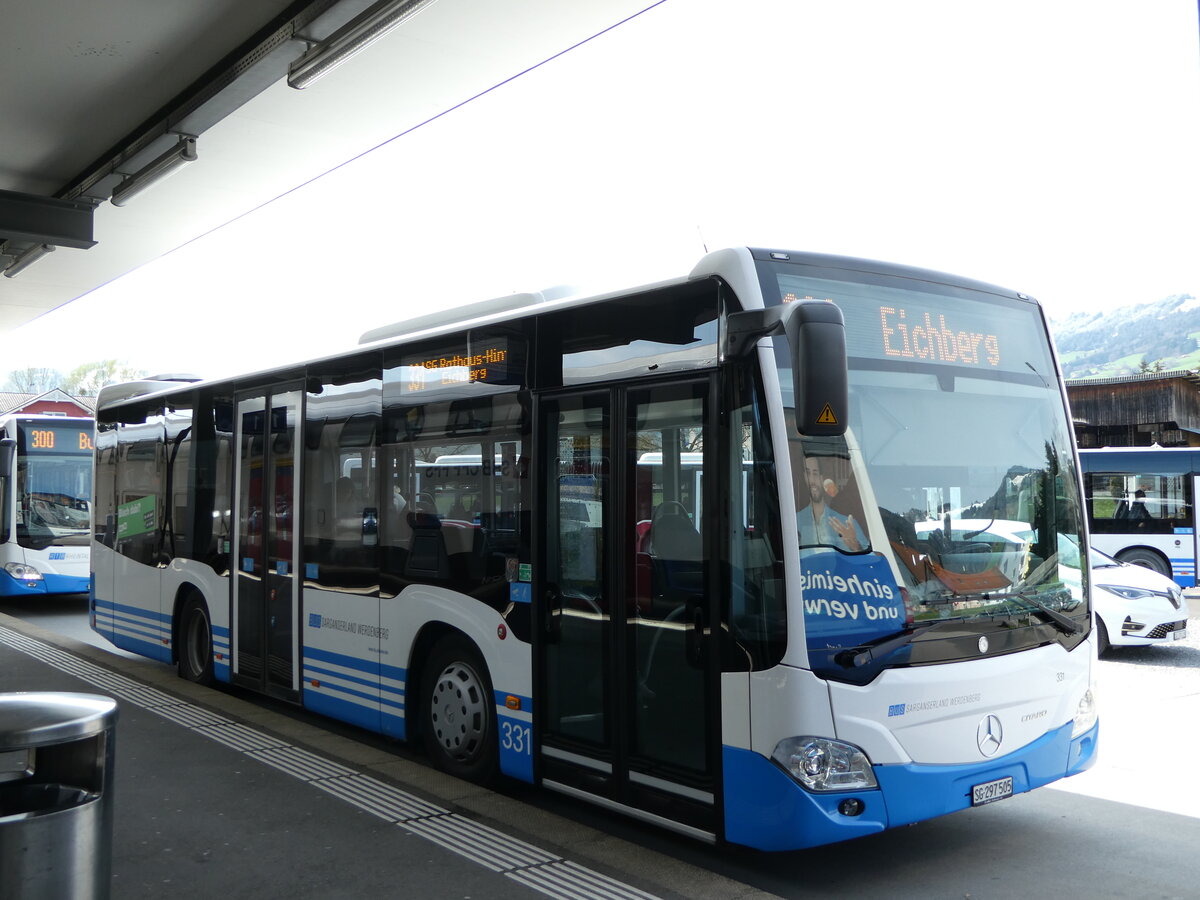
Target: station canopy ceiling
103	101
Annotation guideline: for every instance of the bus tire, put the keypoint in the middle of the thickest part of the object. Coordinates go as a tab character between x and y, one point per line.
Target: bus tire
1140	556
458	712
195	641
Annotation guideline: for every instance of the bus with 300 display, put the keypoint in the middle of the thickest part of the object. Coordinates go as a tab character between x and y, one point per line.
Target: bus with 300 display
692	550
45	504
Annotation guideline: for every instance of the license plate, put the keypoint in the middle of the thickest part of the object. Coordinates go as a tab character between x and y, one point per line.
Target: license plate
991	791
1179	635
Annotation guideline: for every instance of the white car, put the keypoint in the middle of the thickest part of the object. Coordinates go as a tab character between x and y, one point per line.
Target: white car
1134	606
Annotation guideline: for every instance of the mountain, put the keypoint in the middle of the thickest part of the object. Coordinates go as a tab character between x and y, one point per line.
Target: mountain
1164	335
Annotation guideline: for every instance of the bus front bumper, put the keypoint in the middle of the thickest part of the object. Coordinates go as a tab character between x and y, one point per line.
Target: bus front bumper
766	809
49	583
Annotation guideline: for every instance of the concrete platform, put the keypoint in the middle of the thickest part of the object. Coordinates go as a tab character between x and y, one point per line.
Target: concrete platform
217	796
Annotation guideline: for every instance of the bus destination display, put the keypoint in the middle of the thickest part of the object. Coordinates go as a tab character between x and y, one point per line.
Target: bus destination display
45	437
457	367
887	323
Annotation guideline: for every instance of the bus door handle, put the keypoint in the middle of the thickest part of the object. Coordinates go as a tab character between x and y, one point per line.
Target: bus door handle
554	611
694	646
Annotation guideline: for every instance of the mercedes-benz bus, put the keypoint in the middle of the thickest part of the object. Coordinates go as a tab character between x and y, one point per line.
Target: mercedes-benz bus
778	634
45	504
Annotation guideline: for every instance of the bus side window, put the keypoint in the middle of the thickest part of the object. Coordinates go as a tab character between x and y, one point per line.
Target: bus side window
1121	502
757	613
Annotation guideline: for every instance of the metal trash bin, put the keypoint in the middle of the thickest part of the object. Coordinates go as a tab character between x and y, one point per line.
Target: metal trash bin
56	770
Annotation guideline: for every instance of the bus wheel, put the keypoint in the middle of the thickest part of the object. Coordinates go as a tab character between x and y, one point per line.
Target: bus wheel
1147	558
459	713
195	641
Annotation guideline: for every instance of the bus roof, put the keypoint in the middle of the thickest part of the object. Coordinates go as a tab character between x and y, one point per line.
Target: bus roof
736	266
471	316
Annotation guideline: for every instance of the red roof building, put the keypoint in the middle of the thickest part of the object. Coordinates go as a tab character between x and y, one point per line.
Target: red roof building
56	402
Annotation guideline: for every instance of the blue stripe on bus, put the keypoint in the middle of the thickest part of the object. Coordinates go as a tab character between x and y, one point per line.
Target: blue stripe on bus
330	673
395	673
127	626
382	672
335	687
344	710
153	615
394	726
145	648
341	659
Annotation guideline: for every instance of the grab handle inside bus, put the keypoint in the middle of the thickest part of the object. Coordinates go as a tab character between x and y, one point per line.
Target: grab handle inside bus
816	335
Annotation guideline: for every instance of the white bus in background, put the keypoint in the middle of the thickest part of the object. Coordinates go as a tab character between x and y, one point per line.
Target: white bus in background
45	504
688	583
1141	505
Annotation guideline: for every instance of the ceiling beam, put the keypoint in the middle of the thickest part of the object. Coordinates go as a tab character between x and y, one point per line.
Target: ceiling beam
29	219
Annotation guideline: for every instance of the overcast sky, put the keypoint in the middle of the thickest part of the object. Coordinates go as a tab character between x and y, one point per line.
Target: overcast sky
1050	146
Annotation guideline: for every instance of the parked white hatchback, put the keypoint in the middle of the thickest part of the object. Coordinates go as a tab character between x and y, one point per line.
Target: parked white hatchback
1134	606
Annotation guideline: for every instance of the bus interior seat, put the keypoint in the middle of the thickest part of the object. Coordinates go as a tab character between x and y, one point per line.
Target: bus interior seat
427	556
675	550
672	534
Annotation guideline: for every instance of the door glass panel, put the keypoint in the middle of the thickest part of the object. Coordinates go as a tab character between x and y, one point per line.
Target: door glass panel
668	614
578	656
281	546
265	598
249	587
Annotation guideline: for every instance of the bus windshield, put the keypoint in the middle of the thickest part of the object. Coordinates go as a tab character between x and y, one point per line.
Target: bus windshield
950	508
54	485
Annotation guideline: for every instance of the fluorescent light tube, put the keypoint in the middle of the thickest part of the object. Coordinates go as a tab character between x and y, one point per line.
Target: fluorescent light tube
172	161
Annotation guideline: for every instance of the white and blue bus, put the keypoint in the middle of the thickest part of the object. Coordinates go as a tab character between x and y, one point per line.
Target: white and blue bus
714	574
45	504
1141	506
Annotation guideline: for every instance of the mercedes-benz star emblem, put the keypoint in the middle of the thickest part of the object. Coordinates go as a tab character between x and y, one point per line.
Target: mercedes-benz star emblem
983	643
989	735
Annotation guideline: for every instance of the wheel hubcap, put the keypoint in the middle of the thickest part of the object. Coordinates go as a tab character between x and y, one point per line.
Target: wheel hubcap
458	712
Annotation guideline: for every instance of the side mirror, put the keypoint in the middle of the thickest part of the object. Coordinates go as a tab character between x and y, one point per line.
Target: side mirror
816	335
8	455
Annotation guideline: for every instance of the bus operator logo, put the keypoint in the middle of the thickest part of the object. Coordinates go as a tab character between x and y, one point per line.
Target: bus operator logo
989	735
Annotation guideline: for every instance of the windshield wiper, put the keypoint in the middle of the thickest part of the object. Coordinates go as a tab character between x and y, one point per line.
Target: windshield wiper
1064	624
861	656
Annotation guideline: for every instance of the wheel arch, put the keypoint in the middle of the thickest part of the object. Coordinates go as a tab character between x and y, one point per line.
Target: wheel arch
1131	554
430	635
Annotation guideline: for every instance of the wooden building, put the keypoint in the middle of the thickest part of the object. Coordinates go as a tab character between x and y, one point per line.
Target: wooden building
1137	410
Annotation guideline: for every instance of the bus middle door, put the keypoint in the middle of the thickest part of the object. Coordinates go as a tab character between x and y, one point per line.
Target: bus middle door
266	597
628	707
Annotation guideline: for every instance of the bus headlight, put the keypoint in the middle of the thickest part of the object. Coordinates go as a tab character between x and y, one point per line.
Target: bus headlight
820	764
22	571
1085	714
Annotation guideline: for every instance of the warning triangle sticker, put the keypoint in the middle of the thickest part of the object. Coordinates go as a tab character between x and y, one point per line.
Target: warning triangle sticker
827	417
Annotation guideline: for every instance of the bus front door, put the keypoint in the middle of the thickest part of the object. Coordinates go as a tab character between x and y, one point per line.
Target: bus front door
265	550
628	680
